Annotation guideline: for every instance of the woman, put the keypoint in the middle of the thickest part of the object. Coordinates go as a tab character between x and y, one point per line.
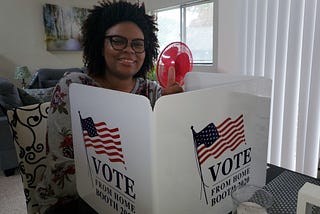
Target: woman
120	46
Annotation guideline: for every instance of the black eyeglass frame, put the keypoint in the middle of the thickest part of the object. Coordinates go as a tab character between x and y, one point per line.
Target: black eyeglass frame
111	37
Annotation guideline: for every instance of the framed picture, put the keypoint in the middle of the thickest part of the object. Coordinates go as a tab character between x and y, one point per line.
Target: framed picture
62	27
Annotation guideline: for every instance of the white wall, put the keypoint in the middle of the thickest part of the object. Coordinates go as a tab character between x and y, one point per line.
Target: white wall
22	37
228	38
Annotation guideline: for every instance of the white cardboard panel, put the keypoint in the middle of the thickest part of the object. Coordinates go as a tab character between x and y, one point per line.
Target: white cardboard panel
132	115
161	173
175	162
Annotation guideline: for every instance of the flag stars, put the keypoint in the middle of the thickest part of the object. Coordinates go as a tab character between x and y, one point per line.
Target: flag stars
88	125
207	136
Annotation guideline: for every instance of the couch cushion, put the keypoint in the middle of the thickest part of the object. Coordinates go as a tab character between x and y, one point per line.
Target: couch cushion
49	83
9	95
49	77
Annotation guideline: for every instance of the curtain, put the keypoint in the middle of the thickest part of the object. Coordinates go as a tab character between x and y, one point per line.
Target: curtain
280	40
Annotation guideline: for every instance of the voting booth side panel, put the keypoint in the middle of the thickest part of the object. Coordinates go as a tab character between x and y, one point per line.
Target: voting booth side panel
199	80
208	143
259	86
111	135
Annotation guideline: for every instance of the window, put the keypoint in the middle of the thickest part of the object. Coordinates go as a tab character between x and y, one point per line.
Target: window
191	24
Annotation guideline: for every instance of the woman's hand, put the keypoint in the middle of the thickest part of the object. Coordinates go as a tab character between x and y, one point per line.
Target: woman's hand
172	86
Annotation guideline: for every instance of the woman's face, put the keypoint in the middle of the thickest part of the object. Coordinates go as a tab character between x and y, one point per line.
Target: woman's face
127	62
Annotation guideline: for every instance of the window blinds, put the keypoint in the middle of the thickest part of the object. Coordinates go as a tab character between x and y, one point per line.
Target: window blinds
280	39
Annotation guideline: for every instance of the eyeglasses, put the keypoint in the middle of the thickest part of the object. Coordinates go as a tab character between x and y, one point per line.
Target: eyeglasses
119	43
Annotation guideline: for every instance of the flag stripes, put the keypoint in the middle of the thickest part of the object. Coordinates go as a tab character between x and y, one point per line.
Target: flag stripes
102	139
231	135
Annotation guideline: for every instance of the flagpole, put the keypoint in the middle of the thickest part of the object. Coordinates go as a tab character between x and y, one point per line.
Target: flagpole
86	150
199	167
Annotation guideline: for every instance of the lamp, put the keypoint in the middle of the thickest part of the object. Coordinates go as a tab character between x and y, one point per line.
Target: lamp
22	72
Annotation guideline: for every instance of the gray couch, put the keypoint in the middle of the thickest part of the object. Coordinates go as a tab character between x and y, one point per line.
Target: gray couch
49	77
12	97
8	157
9	98
39	90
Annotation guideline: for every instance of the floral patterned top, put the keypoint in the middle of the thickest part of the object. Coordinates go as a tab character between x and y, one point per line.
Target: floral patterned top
58	182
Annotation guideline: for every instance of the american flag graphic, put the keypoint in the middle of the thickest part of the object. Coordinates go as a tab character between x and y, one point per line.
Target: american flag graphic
103	139
215	140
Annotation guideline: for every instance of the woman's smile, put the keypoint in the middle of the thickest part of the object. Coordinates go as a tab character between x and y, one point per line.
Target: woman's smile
127	61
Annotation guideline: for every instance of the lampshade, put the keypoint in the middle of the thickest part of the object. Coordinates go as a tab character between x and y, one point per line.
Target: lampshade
22	72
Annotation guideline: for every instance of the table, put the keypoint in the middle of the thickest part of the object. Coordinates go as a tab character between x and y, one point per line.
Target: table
282	183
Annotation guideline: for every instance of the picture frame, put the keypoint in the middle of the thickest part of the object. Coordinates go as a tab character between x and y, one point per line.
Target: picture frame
62	27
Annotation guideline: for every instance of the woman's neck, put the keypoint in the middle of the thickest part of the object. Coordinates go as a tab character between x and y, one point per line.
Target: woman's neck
110	82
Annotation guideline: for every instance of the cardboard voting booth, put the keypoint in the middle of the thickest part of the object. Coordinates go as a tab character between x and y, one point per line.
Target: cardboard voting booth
187	155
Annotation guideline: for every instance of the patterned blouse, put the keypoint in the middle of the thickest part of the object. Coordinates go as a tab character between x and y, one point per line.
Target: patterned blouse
58	182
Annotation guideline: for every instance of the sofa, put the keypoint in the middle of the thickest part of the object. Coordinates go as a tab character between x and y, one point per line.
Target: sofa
49	77
39	90
10	97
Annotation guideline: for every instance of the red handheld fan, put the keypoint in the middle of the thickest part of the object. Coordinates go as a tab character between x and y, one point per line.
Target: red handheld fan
176	54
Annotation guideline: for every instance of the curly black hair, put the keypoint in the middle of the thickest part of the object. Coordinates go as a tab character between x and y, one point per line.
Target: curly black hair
107	14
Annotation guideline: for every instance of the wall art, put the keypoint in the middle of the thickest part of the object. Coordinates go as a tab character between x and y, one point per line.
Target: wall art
62	27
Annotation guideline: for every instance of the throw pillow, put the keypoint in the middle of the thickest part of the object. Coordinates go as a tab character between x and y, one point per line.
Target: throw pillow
29	126
42	94
26	98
